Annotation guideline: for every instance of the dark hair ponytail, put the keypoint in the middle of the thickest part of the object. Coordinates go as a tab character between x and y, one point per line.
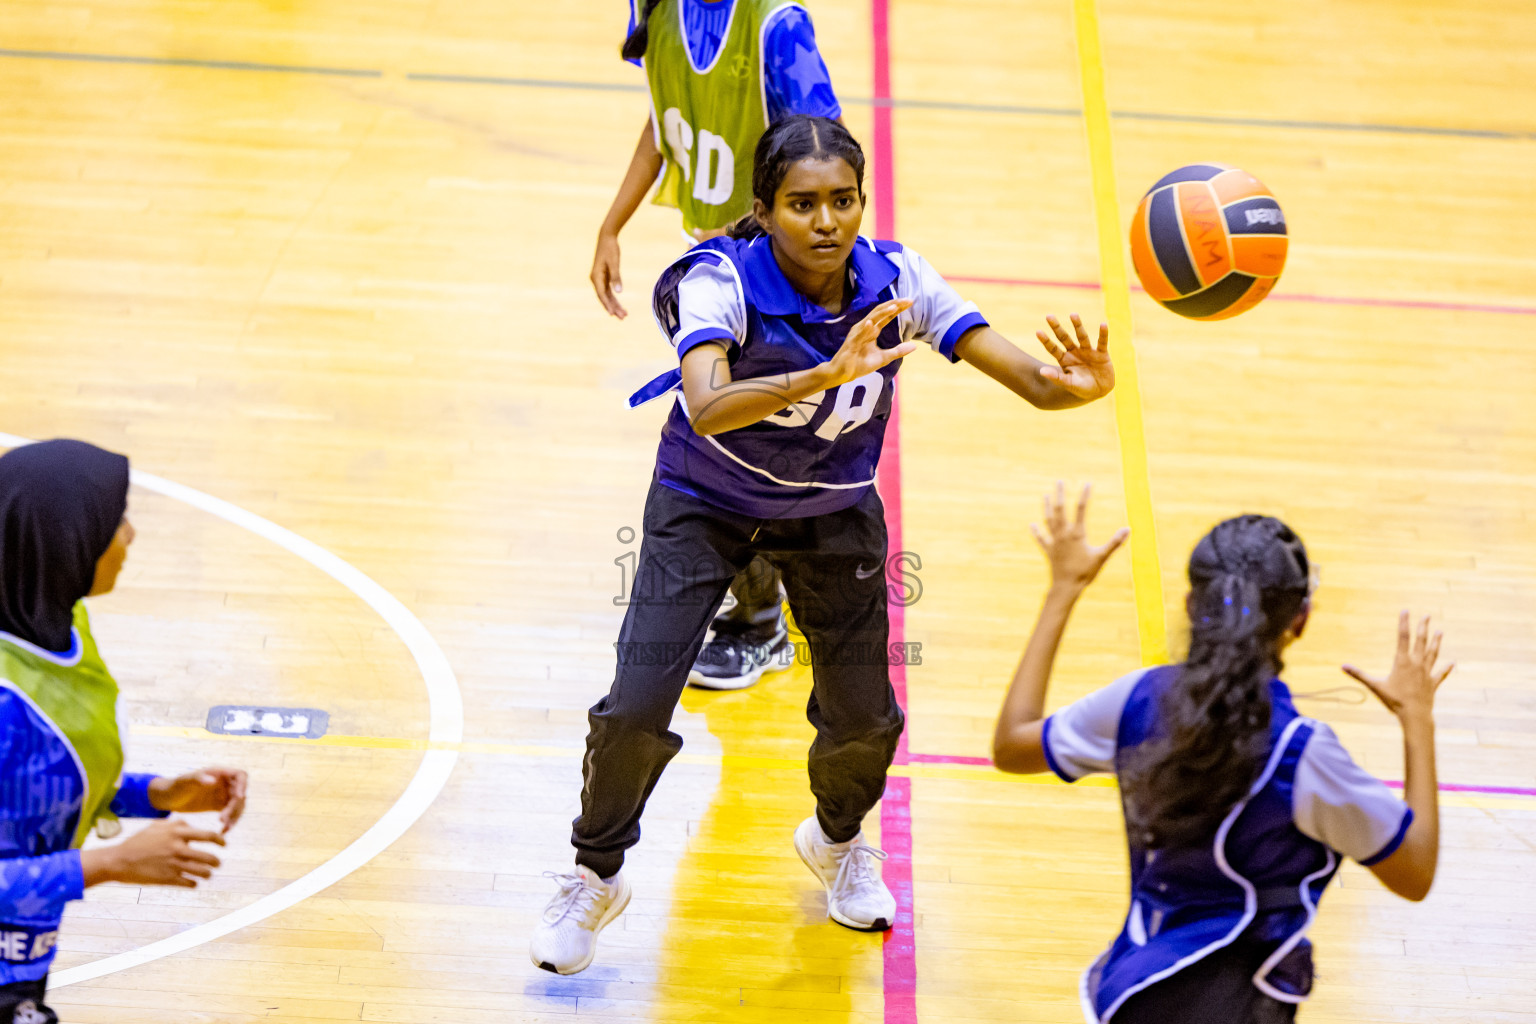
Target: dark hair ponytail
1249	579
786	143
640	37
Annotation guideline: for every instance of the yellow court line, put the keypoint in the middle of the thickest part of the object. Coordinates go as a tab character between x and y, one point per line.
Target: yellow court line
1146	575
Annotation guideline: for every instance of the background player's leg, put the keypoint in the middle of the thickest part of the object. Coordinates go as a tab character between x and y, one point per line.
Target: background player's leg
750	637
688	556
758	597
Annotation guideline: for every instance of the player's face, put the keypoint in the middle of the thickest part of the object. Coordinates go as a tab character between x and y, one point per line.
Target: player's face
816	214
111	562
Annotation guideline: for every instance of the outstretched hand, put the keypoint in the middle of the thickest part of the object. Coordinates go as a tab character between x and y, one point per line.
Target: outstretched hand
1410	686
1084	370
1074	562
861	353
211	789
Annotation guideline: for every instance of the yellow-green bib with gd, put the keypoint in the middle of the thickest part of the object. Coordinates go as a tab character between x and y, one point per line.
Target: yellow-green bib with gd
708	120
79	696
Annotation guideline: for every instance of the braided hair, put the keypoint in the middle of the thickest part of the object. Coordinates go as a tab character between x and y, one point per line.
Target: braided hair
786	143
1249	579
640	37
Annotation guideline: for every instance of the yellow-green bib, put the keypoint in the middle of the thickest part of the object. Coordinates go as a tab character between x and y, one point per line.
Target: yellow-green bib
79	696
708	120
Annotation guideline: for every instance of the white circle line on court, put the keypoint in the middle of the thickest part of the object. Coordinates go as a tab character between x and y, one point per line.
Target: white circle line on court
447	726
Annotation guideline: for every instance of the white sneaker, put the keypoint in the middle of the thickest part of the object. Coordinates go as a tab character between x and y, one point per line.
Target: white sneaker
565	939
856	895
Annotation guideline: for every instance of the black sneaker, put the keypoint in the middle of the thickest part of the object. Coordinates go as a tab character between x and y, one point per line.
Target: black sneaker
734	661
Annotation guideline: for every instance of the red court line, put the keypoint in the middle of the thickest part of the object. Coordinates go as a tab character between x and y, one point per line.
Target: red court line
946	759
888	483
1445	787
899	949
1457	787
1326	300
900	946
884	145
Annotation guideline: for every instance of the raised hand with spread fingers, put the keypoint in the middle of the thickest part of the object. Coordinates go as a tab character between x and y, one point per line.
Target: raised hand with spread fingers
1408	691
1083	370
1074	562
1018	742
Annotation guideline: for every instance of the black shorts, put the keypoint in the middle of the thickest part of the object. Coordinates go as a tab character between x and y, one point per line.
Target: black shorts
1216	990
22	1003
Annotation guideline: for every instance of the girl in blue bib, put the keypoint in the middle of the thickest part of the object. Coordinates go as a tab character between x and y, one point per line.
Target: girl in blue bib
789	334
1238	809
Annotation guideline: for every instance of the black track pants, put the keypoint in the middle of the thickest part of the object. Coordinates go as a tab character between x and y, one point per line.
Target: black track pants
833	568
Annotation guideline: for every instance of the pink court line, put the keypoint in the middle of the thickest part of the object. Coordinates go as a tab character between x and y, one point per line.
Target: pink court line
1326	300
1456	787
1445	787
946	759
899	949
884	145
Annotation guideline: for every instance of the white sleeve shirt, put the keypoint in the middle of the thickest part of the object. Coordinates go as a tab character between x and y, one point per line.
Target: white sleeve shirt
939	317
712	306
1342	805
1333	800
1081	738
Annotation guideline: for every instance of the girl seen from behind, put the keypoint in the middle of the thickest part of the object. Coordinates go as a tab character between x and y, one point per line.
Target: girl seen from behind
1238	809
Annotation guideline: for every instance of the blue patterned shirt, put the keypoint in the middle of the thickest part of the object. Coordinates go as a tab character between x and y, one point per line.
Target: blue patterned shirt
796	82
42	792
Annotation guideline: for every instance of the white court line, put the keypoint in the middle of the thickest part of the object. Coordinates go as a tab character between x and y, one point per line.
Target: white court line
447	726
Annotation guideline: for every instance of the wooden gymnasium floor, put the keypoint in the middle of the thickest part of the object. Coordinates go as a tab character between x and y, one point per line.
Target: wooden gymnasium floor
277	252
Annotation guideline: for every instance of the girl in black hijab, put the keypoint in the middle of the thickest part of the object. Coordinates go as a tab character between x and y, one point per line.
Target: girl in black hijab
62	505
64	535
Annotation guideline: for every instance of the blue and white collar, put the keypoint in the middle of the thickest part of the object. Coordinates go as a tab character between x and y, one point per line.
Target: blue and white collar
770	292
